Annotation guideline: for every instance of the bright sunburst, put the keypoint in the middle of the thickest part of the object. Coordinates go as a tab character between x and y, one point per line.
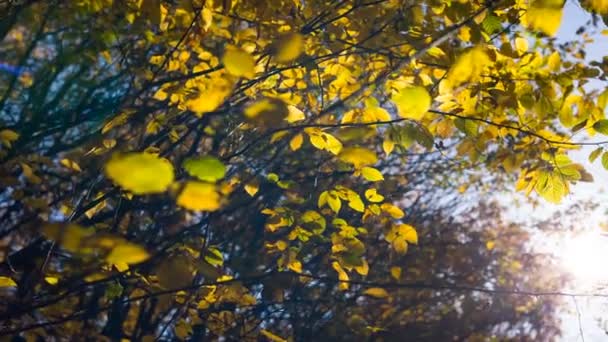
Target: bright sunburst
584	256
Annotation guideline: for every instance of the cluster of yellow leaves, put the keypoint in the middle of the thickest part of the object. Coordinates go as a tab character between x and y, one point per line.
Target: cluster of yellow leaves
334	199
400	235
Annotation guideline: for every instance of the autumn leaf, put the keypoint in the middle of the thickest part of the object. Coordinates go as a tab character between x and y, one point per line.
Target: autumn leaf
544	16
238	62
468	67
376	292
140	173
199	196
7	137
412	102
289	47
7	282
358	156
127	253
206	168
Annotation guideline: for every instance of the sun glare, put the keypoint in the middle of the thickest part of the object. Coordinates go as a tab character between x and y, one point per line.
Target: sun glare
584	256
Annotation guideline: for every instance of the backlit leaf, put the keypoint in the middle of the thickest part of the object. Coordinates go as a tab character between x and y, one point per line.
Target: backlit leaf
289	47
371	174
127	253
140	173
206	168
544	16
358	156
199	196
601	126
468	67
412	102
238	62
376	292
7	282
296	142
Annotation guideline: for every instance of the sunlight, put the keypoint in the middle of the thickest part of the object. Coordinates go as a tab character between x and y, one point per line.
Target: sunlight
584	256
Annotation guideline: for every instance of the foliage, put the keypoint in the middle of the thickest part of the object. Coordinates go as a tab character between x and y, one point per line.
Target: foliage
181	169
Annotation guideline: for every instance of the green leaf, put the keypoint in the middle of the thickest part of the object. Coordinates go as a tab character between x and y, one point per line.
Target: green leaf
491	24
207	168
551	186
605	160
596	153
468	127
601	127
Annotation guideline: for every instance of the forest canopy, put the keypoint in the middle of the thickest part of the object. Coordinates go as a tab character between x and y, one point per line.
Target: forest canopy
286	169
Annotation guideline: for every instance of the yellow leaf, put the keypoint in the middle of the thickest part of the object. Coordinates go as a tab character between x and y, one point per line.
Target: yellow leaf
544	16
207	17
599	6
490	245
371	174
278	136
238	62
325	141
377	292
7	282
554	61
358	156
412	102
373	196
355	202
199	196
295	266
363	269
252	188
396	272
51	280
70	164
400	235
272	337
211	94
551	186
521	45
392	210
409	233
334	202
342	276
289	47
388	146
7	137
29	174
294	114
127	253
140	173
468	67
296	142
